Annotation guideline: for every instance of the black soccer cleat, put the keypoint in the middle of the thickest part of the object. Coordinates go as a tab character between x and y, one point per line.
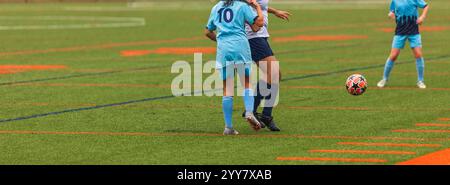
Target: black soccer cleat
269	122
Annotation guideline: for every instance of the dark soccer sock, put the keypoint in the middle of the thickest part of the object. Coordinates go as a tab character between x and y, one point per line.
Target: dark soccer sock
258	99
268	102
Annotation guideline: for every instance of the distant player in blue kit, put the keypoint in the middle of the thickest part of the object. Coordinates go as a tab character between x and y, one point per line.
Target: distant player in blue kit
264	57
233	51
405	12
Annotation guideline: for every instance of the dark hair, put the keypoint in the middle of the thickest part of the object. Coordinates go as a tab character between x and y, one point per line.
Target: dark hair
230	2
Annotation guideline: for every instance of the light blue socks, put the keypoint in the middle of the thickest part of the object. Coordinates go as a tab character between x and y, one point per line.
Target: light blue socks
420	65
387	69
249	100
227	107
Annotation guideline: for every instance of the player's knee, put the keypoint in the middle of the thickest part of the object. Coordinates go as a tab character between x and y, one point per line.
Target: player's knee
393	57
418	54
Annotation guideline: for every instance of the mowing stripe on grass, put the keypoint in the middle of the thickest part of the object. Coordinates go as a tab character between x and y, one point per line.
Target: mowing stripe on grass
389	152
390	144
273	136
96	85
119	71
354	160
357	69
316	38
84	109
101	46
167	96
341	87
436	158
420	131
79	75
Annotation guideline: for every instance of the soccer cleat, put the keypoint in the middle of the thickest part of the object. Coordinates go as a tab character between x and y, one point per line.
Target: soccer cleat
421	85
269	122
382	83
257	115
230	132
251	119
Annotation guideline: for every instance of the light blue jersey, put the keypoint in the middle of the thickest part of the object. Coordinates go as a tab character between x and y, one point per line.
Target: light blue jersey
406	13
232	43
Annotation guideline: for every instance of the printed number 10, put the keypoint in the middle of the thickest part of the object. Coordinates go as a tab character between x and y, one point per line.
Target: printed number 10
227	15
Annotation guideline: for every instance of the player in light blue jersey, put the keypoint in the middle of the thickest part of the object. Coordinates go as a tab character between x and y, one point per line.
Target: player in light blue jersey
233	51
405	12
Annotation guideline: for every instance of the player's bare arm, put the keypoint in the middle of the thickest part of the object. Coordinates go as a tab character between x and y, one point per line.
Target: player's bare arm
424	15
259	22
391	15
211	35
279	13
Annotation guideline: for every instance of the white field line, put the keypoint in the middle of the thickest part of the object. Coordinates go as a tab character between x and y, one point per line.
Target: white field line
109	22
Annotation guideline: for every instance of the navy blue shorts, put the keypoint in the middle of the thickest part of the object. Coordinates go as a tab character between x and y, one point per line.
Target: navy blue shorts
260	48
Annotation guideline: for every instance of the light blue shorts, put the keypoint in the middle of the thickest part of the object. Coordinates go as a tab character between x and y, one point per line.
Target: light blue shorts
243	69
415	41
232	52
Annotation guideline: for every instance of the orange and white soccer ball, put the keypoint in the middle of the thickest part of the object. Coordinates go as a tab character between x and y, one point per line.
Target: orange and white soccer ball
356	84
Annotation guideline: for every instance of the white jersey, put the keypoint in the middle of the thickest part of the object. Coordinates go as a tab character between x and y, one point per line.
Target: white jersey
263	32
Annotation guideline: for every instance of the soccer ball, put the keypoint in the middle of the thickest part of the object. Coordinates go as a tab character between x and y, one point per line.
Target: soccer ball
356	84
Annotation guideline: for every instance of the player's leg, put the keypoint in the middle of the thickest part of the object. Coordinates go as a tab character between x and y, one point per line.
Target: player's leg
263	55
398	43
227	74
244	72
416	45
268	88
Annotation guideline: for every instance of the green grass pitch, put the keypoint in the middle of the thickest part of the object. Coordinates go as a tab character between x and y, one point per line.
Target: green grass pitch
100	107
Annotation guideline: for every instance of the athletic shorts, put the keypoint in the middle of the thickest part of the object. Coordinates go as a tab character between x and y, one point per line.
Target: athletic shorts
260	48
399	41
228	71
232	52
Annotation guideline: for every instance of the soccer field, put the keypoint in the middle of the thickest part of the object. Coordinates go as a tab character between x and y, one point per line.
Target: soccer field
91	84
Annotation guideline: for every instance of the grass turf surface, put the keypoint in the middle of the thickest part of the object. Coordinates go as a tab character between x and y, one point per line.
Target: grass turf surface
187	130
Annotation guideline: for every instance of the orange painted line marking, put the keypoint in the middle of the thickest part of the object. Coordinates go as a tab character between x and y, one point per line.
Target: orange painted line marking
365	152
319	38
432	125
444	119
436	158
421	131
100	46
390	144
361	160
217	135
10	69
173	51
